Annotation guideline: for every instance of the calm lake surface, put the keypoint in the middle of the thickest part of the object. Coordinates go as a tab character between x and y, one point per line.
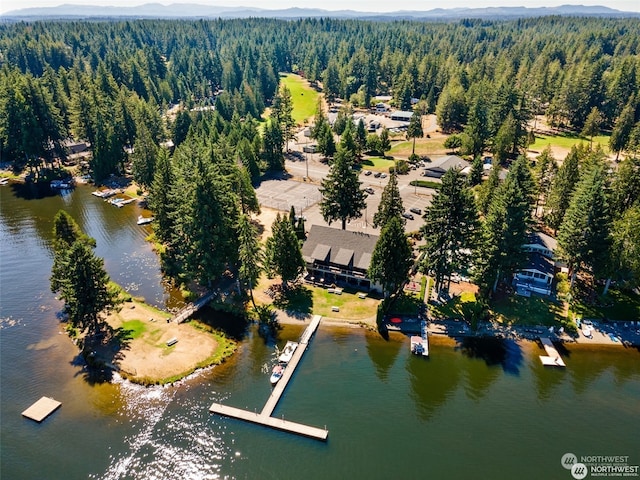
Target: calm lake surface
484	410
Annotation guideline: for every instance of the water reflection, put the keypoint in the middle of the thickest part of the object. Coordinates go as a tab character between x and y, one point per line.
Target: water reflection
384	362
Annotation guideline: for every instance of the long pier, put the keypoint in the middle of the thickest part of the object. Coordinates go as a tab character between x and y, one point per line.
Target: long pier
264	417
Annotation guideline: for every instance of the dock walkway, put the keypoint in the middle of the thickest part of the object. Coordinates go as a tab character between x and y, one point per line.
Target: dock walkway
553	358
264	417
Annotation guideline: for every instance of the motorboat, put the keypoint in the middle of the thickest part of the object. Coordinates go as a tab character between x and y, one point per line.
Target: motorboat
144	220
287	352
276	374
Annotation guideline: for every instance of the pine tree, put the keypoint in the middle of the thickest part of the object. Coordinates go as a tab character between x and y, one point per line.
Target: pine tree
500	252
625	188
273	143
450	228
592	125
143	159
489	188
283	256
385	143
414	130
477	169
622	129
162	197
584	236
281	112
250	254
390	204
342	198
79	277
562	188
361	138
391	257
544	173
477	128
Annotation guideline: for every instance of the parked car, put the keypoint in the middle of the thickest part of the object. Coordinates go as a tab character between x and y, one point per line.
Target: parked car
383	175
369	190
407	215
367	172
455	278
415	210
377	174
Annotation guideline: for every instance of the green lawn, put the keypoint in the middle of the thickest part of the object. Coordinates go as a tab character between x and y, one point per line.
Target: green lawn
305	98
454	307
134	328
534	310
566	141
426	184
424	146
622	305
377	163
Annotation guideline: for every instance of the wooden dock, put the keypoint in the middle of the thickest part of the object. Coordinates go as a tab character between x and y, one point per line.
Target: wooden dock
264	417
41	409
553	358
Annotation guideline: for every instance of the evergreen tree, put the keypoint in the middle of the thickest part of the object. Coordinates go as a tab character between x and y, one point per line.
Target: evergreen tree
592	125
584	236
250	254
342	198
391	257
622	129
143	158
181	126
361	138
500	252
283	256
162	198
414	130
273	143
477	169
79	277
562	188
331	81
390	204
477	128
489	188
626	244
451	110
347	140
281	112
450	228
544	174
385	143
246	193
248	158
625	188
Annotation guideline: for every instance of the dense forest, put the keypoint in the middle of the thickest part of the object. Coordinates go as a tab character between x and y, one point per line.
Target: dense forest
113	83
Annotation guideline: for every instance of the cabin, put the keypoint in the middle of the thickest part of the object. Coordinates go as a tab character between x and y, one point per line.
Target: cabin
538	274
440	166
339	257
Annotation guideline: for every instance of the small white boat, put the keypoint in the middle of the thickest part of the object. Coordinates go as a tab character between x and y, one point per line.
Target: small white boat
287	352
587	331
276	374
4	181
62	184
144	220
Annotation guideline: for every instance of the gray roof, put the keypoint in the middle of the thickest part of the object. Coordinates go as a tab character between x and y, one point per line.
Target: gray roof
340	247
540	263
542	239
438	167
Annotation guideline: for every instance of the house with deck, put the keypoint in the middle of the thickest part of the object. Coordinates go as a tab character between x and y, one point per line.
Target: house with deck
538	274
339	257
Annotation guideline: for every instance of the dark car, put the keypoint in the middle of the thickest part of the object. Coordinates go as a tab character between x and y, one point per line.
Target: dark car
415	210
369	190
407	215
377	174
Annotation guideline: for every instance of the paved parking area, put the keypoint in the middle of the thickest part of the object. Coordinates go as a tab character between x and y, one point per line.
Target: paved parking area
281	194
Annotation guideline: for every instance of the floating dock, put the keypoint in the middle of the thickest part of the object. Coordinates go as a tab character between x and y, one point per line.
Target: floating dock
264	417
553	358
420	343
41	409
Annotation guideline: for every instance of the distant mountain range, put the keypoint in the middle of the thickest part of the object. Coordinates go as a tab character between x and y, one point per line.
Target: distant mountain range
155	10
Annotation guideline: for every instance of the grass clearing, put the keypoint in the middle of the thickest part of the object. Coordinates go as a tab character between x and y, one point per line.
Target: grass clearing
377	163
424	146
566	141
533	310
304	98
454	308
134	328
618	305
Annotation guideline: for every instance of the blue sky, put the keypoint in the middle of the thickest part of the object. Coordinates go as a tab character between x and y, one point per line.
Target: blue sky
361	5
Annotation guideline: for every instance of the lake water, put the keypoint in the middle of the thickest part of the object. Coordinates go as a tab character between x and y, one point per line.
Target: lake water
483	410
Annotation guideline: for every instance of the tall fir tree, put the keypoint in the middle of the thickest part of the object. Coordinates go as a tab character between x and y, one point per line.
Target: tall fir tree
450	229
283	256
584	238
391	257
342	198
390	204
250	254
562	188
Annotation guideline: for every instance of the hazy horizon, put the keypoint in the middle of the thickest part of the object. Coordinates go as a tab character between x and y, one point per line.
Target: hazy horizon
331	5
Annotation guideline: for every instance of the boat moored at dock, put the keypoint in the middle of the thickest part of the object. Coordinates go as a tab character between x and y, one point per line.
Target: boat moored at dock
287	352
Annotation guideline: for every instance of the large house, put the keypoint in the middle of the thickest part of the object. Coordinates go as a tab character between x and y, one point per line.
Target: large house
339	257
439	167
538	274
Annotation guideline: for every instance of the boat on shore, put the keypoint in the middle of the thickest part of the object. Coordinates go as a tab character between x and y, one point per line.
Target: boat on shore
144	220
287	352
63	184
276	374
